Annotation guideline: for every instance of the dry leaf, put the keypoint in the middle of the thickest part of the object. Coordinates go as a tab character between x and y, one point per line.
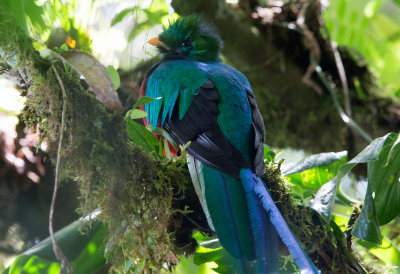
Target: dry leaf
96	76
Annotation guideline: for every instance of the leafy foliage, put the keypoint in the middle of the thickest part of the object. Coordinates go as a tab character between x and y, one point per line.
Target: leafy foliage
371	27
383	178
114	76
313	161
308	175
144	18
85	251
142	135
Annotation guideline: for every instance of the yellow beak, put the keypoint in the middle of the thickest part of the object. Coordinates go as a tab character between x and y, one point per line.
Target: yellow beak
155	41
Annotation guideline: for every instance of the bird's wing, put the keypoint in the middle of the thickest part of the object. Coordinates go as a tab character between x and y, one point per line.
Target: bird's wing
259	134
199	126
166	81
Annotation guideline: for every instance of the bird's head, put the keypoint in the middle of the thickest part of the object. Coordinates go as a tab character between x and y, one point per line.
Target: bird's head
189	38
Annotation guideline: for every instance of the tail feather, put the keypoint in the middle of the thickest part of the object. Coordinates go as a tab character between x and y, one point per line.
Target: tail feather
228	210
266	243
195	170
272	255
288	238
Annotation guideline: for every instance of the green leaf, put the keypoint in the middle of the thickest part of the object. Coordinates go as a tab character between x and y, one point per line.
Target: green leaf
33	264
269	155
325	204
96	76
186	265
121	15
387	252
144	100
136	114
226	263
165	134
84	251
383	159
324	200
370	153
368	27
46	53
367	226
114	76
35	14
17	7
383	180
142	136
316	160
204	255
199	237
313	173
325	197
63	47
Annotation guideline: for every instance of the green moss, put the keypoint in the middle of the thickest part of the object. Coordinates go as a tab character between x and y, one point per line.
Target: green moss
135	192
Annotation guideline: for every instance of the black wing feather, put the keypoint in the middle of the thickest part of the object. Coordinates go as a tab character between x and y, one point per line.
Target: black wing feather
208	143
259	135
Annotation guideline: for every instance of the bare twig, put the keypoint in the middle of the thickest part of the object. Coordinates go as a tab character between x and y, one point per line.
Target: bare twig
343	78
57	251
199	227
345	86
350	122
311	43
308	81
325	256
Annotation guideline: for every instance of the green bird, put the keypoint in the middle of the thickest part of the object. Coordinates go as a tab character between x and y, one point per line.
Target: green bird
213	106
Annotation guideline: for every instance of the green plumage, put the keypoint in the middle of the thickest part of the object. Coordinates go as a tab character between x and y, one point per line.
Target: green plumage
211	105
205	40
224	194
167	82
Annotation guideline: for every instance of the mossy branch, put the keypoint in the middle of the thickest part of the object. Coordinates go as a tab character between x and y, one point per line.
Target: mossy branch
137	194
57	251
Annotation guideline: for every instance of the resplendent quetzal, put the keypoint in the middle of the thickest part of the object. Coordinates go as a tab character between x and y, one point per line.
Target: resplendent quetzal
212	105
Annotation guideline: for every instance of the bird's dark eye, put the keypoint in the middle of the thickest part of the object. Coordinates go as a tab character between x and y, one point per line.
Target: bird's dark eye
187	43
